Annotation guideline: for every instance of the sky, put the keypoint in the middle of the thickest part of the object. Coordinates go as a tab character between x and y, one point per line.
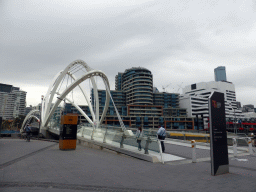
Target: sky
180	42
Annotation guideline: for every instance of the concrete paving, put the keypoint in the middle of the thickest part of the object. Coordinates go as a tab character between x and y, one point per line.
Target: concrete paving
41	166
19	148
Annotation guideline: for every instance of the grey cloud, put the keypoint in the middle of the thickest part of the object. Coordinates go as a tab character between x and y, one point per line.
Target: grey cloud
175	40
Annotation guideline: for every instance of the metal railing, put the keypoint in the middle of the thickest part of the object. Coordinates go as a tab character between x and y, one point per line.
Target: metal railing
117	137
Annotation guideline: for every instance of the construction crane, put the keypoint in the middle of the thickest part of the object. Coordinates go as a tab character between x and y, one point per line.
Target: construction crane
164	87
179	87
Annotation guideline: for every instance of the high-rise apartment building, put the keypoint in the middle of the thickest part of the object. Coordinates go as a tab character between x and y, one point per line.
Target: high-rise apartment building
137	83
12	101
220	74
118	82
119	98
139	104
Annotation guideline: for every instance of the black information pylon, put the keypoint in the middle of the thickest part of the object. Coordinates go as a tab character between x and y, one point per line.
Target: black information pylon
219	148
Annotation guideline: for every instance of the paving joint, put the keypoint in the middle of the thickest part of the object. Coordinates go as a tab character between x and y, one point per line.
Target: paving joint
24	156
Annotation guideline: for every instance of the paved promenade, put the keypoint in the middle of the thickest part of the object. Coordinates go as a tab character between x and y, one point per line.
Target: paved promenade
41	166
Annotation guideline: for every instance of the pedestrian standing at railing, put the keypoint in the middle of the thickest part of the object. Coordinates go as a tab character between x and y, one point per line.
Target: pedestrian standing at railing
138	137
161	133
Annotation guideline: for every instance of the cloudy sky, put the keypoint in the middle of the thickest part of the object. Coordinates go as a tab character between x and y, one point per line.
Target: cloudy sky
181	42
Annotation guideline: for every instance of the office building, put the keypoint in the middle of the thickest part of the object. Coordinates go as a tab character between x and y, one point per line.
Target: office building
238	104
248	108
195	98
12	101
220	74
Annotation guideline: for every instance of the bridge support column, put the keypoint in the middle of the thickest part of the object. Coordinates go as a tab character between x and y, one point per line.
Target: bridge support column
44	132
147	144
122	141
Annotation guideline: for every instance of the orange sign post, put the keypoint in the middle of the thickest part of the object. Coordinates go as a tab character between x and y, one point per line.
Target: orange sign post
68	132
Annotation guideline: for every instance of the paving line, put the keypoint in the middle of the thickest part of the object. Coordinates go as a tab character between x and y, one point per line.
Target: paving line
74	187
24	156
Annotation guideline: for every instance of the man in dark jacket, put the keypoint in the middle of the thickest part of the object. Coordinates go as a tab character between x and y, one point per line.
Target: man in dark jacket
161	133
28	131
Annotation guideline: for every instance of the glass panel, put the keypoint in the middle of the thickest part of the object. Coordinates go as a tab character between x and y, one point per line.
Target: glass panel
98	134
55	118
114	136
84	130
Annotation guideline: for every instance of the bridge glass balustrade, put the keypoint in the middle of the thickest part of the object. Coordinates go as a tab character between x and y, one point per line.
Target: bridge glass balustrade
114	136
55	120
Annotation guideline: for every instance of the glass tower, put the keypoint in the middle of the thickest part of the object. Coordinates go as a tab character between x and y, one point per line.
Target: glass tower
220	74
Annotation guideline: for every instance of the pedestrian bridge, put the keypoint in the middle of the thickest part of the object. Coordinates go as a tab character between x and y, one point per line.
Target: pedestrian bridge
78	75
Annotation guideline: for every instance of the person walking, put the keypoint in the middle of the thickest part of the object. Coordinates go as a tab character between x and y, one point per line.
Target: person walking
28	131
138	137
161	133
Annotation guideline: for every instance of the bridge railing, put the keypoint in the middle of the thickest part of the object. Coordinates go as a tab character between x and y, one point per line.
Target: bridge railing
116	137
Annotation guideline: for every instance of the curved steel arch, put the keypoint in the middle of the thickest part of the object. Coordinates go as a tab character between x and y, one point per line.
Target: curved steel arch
46	105
71	87
29	115
47	111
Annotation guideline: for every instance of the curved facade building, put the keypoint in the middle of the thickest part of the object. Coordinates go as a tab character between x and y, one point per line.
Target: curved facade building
137	83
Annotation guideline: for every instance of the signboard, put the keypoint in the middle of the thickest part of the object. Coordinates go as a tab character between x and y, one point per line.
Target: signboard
219	148
68	132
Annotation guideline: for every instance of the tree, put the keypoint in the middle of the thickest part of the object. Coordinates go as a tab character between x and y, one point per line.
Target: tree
6	124
17	122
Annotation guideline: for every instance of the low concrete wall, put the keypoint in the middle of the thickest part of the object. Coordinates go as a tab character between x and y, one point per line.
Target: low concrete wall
97	145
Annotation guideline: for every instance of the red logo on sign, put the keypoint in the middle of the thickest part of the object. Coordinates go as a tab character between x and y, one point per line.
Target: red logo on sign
216	104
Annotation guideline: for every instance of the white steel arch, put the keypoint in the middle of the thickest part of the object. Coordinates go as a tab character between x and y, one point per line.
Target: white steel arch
47	107
29	115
